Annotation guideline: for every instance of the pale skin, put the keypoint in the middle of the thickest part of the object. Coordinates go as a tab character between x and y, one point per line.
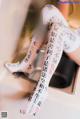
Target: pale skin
75	56
64	8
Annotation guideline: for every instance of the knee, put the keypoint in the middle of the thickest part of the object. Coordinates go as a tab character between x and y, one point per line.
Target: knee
52	14
48	12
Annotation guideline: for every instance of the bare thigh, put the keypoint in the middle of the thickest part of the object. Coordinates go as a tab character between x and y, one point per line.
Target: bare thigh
75	56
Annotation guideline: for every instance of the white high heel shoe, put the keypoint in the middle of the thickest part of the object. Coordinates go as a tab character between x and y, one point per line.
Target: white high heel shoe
19	67
12	67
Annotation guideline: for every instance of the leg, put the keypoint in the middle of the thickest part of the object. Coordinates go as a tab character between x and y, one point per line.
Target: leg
52	57
33	50
75	56
60	38
53	15
72	44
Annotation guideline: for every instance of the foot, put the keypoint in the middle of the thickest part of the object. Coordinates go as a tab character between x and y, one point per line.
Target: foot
13	67
19	67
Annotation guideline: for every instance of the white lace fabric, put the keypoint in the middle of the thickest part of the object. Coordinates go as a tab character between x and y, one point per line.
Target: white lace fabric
60	37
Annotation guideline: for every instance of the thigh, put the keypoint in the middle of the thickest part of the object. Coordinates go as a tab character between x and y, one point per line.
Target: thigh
75	56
